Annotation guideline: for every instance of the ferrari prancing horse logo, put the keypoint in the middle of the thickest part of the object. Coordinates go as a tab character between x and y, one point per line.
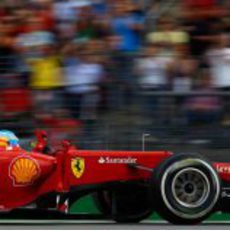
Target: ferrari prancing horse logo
78	166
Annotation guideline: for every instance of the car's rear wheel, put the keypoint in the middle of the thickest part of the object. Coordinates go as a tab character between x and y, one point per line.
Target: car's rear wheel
126	204
186	189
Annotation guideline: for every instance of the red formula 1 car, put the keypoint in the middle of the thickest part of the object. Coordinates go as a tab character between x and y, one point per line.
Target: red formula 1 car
127	185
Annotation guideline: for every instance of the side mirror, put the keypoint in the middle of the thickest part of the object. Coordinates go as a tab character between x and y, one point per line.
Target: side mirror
66	144
40	134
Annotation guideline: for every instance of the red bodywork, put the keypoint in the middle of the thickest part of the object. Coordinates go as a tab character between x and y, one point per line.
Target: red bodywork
25	176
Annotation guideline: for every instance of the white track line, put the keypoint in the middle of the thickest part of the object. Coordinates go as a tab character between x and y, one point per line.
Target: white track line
69	222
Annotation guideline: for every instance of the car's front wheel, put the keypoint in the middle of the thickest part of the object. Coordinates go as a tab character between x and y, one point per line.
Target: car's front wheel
186	189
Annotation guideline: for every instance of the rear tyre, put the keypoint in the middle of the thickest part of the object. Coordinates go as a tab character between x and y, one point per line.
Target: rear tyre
126	204
186	189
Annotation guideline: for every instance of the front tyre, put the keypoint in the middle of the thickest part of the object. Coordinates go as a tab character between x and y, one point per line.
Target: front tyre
186	189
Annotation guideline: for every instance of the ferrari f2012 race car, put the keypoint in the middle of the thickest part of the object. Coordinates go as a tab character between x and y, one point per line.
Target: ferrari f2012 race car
127	186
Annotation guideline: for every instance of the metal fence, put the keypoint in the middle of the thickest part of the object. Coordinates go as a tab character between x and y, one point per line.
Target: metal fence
163	119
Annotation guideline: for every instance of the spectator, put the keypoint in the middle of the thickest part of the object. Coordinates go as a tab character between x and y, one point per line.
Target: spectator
7	53
14	96
87	25
67	13
199	18
2	12
153	77
47	81
67	10
100	7
169	35
82	82
44	10
31	42
8	56
71	58
204	108
219	60
127	28
182	70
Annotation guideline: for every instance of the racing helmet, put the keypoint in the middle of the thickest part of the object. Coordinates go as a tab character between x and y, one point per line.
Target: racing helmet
3	141
10	137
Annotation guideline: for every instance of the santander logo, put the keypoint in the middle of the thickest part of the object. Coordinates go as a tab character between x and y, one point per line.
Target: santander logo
117	160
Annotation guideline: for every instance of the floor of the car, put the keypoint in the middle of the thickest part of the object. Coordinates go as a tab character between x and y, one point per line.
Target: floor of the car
38	214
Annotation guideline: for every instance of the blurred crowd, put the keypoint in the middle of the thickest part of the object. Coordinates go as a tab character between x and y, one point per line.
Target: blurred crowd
78	59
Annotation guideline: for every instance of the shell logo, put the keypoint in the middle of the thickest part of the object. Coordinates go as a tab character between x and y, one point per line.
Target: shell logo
24	171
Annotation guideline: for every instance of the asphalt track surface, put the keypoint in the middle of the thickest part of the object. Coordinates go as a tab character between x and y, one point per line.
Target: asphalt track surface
106	226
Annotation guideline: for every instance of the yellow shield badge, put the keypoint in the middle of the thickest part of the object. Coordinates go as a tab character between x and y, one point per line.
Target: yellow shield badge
78	166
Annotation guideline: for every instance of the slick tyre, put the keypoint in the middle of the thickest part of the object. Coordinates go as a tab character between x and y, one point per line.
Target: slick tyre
126	204
185	189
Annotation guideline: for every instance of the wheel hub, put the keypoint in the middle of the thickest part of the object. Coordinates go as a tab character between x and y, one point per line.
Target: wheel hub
190	187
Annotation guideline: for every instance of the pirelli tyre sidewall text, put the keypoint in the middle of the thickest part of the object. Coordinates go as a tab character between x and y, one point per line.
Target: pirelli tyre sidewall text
185	189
